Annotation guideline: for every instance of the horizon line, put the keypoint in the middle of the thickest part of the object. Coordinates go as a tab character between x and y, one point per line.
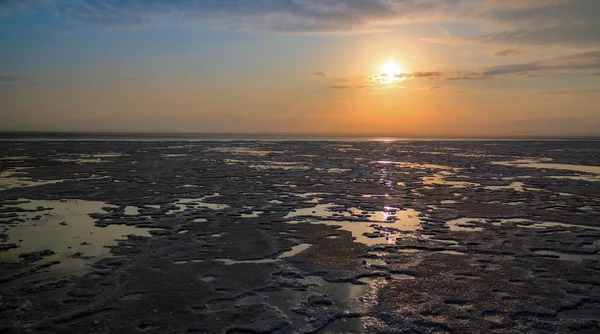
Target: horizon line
19	134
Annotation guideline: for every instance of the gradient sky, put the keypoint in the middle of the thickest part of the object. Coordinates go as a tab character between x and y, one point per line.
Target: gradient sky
469	67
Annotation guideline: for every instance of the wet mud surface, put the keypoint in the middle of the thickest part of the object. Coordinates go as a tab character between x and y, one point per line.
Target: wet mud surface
299	237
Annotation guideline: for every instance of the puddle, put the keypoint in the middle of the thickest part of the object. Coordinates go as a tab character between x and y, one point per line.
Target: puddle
404	220
391	222
375	262
294	251
449	252
552	224
543	165
466	224
195	204
358	230
178	262
15	158
83	161
280	165
588	178
413	165
338	170
254	214
446	241
9	179
105	155
208	278
320	210
403	276
393	218
409	250
132	210
67	224
516	186
242	151
438	179
474	224
230	262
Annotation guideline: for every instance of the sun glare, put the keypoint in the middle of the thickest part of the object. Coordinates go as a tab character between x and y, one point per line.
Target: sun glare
390	72
391	69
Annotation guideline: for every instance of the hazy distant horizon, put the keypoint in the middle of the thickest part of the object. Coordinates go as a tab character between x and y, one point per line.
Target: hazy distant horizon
60	135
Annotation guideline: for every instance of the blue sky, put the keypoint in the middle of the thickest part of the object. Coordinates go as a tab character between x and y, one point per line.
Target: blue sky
468	67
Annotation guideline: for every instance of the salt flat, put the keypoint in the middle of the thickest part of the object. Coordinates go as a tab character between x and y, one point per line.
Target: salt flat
300	236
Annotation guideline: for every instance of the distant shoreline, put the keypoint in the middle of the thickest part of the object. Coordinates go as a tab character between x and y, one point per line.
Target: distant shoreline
160	136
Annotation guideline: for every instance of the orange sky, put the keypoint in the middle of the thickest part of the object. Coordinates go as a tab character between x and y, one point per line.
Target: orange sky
468	68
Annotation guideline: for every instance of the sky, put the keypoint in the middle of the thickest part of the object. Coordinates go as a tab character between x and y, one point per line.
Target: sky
425	68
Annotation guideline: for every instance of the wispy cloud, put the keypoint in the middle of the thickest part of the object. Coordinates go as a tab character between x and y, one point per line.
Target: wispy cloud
266	15
319	74
508	53
573	23
568	92
546	22
581	63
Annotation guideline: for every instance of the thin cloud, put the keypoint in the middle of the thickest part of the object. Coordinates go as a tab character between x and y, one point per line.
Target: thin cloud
568	92
582	61
561	22
428	75
577	64
263	15
572	22
319	74
508	53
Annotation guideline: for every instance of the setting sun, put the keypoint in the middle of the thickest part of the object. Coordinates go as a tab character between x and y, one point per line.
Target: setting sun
391	69
390	73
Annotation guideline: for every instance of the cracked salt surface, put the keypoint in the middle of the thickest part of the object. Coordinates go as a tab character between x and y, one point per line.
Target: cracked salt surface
535	271
337	296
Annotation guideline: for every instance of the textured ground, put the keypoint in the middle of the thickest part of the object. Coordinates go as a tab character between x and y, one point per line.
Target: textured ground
261	237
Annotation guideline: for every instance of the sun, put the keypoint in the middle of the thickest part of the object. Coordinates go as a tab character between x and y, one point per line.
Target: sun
390	73
391	69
